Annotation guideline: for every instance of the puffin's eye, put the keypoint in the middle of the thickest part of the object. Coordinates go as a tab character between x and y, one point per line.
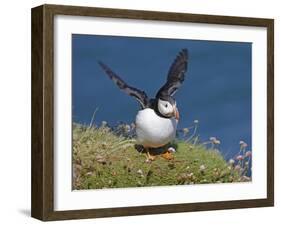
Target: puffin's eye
166	105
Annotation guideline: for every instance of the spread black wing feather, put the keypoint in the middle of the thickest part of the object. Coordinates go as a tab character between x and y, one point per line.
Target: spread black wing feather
175	76
134	92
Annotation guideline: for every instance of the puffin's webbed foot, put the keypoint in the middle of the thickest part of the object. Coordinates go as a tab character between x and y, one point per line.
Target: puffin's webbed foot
168	154
152	153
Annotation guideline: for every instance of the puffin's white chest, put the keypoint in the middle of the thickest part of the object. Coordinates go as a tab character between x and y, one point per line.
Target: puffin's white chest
153	130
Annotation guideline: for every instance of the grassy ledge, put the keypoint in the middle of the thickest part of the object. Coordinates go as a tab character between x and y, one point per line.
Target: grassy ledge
102	159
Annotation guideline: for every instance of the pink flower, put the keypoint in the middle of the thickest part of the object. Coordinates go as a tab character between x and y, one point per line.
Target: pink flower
248	154
237	167
239	157
243	144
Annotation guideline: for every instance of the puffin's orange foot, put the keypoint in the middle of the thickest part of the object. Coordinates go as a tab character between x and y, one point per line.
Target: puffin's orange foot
168	154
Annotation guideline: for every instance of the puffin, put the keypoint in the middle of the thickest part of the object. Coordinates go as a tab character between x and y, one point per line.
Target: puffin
156	121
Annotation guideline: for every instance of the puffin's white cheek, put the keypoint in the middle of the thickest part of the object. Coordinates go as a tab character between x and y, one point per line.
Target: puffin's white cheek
161	109
168	112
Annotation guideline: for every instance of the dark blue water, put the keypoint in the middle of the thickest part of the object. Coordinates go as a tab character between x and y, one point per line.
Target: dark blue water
217	89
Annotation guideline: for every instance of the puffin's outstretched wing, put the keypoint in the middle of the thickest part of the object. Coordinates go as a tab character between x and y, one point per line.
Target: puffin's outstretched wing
134	92
175	76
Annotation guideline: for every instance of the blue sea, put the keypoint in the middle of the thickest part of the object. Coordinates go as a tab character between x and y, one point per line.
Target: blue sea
216	91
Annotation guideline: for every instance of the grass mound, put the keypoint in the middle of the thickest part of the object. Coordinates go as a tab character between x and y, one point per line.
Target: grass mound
102	159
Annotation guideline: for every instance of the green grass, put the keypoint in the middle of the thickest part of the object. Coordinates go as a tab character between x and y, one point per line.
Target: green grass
102	159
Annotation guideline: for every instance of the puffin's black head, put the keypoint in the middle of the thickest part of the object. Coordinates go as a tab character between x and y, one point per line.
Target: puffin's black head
167	107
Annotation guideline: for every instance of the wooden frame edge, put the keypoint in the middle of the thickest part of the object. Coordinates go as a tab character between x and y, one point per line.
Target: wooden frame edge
155	15
42	113
37	113
270	111
159	209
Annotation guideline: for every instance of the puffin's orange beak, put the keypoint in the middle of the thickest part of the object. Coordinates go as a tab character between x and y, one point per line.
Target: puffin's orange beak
176	113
